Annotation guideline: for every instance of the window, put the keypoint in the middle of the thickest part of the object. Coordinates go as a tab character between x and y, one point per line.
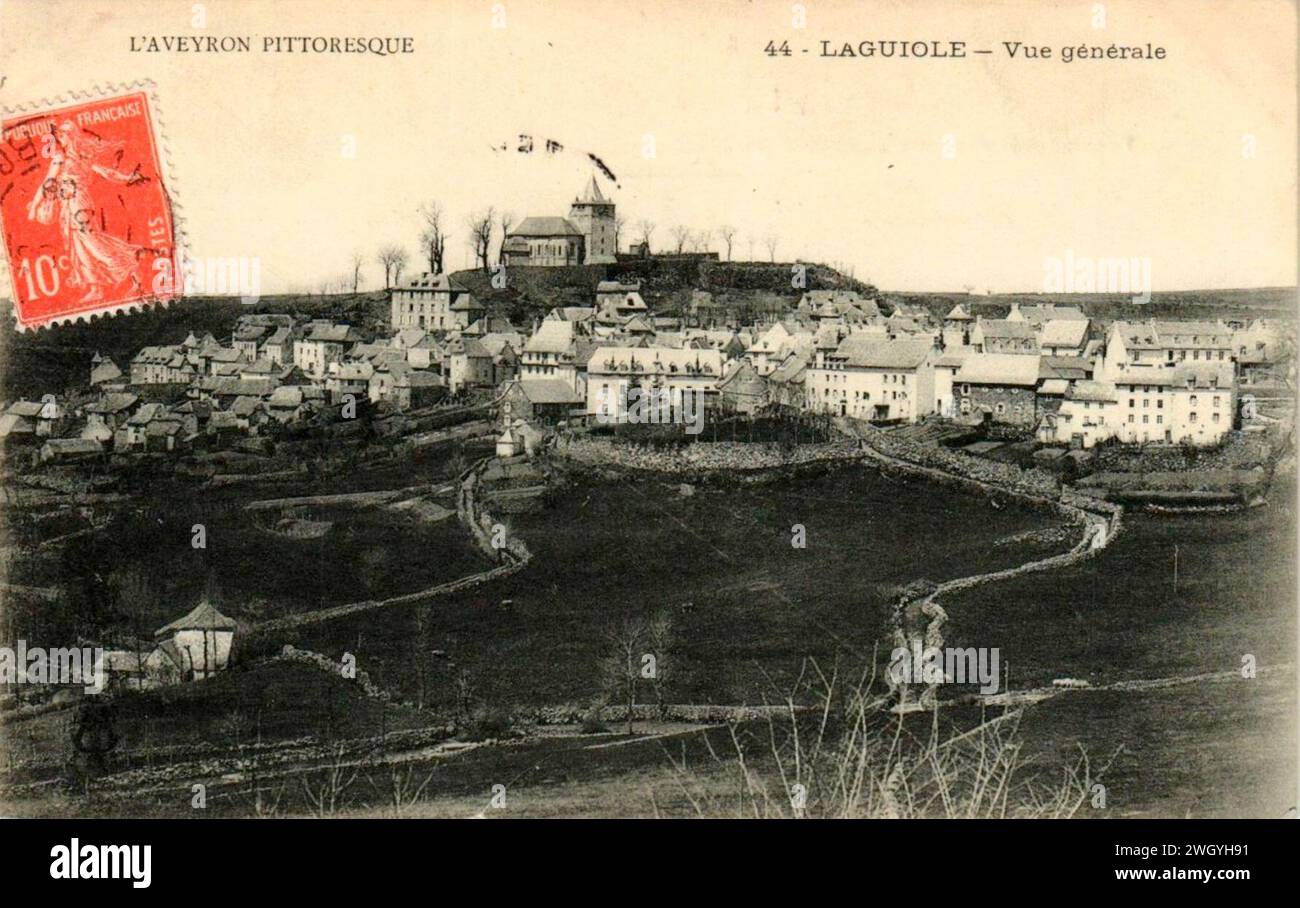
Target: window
1145	419
1132	402
1160	404
1191	417
1146	402
965	389
1159	420
1214	417
1001	408
1216	400
1193	400
1132	418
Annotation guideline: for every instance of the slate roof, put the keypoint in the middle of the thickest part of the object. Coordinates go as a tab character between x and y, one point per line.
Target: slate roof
1093	390
870	352
548	391
592	194
1064	333
11	424
1001	328
545	227
552	336
430	281
998	369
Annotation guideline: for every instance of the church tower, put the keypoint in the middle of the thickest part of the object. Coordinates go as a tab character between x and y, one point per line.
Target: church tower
593	215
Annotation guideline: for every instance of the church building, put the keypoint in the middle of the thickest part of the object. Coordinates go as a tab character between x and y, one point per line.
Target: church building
585	237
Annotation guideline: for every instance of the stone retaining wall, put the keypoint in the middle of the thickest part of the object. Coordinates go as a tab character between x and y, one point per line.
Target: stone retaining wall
511	557
700	457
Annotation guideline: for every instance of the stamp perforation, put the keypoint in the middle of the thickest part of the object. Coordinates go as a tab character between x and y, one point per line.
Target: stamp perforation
180	235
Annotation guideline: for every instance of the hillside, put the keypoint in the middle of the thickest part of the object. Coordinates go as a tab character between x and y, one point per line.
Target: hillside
1250	303
53	360
667	284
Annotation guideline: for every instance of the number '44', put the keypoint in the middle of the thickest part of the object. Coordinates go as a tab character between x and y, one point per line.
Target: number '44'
772	50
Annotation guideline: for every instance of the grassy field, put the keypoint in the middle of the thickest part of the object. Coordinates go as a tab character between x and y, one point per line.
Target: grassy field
759	608
1221	748
143	569
747	607
1120	616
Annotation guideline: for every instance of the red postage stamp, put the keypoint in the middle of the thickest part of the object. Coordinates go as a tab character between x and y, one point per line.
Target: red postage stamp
85	210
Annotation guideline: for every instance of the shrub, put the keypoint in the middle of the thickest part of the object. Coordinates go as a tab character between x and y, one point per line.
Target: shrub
489	724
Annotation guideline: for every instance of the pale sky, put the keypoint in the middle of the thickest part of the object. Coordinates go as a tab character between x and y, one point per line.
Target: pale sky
921	174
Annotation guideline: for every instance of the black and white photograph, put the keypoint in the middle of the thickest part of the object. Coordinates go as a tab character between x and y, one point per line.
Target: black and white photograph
648	411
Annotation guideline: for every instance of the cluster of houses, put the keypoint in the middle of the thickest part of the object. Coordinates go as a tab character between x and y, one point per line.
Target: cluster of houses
273	369
1045	370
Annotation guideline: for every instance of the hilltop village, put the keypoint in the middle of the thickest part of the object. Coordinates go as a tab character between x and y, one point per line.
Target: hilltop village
340	512
1041	371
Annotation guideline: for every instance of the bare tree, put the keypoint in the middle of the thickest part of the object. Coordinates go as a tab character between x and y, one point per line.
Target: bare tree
770	242
433	239
507	220
728	235
620	667
357	261
392	259
404	789
646	229
480	235
620	224
659	636
463	685
326	794
680	237
702	240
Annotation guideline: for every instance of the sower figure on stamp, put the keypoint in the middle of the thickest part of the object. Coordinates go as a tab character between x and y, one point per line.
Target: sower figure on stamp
95	259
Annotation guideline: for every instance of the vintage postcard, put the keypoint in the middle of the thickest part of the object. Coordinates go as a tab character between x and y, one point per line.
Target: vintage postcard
645	410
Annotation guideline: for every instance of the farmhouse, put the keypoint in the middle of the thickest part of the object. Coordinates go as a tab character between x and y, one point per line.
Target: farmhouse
545	399
325	343
995	335
63	449
999	387
742	389
1087	415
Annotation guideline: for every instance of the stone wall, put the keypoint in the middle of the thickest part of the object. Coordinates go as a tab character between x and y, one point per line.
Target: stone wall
511	557
700	457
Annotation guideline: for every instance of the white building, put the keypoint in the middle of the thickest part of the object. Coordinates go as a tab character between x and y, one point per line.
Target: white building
325	343
202	640
1190	404
614	371
869	378
434	302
